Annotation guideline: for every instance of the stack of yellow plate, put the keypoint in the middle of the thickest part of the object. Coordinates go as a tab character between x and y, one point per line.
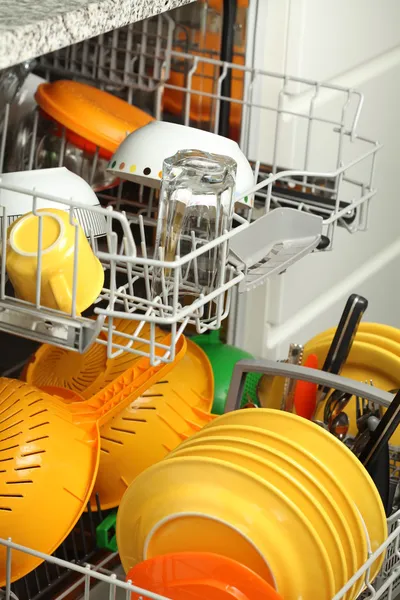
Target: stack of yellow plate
374	358
264	487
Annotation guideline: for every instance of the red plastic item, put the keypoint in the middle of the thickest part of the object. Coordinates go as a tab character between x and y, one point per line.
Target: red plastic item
305	395
199	575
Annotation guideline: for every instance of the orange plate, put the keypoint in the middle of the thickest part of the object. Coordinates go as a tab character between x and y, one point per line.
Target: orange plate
93	114
199	575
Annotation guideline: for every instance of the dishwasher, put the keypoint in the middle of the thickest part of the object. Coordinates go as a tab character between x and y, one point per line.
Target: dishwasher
193	65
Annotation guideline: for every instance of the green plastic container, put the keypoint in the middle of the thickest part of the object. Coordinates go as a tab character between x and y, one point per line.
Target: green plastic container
223	359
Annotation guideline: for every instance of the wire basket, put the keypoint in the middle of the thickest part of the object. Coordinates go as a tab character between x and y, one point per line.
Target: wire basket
280	121
295	193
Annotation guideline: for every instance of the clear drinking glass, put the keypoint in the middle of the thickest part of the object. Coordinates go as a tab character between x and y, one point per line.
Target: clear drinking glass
196	207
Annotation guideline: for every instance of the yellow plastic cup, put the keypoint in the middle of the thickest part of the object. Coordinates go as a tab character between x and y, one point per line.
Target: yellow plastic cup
61	240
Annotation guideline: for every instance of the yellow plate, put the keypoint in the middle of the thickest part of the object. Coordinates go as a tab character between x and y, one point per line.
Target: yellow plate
392	333
342	510
342	463
370	338
364	362
155	517
307	498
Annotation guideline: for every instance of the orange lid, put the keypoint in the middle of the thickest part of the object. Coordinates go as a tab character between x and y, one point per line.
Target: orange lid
96	116
199	575
218	4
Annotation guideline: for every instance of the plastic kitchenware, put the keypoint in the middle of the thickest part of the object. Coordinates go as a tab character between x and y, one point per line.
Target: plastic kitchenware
199	575
364	362
311	508
281	235
98	117
155	517
223	358
61	241
60	181
299	463
375	340
343	339
342	463
305	394
88	373
376	329
154	424
49	458
141	155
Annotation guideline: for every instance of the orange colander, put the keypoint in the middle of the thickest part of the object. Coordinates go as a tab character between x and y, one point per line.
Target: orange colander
175	407
49	456
85	374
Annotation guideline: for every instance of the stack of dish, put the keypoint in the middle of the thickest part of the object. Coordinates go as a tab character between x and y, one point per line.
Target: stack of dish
266	488
374	358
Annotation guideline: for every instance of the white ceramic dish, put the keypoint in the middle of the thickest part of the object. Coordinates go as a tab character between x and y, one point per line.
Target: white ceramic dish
140	156
58	182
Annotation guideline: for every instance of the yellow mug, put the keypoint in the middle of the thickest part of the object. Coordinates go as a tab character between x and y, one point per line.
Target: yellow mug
57	261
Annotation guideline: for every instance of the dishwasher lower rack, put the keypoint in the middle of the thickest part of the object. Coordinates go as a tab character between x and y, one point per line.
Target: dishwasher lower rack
84	577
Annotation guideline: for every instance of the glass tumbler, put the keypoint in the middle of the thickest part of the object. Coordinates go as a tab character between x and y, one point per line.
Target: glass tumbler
196	207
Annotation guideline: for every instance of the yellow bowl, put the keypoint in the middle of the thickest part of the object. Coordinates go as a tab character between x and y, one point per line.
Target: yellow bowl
342	463
155	516
262	443
365	362
244	452
306	499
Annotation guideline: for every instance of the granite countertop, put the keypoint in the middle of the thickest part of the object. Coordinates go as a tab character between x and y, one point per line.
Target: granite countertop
29	28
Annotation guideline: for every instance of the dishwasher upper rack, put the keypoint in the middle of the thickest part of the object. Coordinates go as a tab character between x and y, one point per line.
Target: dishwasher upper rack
144	64
128	301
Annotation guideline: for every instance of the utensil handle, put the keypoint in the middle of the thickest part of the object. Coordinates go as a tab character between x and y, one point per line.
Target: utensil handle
344	336
384	431
270	367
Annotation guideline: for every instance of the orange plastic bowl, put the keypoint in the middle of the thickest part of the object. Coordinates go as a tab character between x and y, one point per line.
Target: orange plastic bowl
199	575
95	115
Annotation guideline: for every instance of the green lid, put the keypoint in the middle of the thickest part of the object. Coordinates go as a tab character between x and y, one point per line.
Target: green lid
223	358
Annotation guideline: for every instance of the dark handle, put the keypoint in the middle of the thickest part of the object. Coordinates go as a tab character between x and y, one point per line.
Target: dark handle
380	437
344	336
226	55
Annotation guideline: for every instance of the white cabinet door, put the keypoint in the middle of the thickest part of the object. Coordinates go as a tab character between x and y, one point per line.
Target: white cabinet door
357	48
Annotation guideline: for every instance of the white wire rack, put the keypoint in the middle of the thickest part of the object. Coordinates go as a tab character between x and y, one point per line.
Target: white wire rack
385	587
144	64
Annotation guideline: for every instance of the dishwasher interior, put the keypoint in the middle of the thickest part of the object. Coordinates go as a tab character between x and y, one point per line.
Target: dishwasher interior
170	67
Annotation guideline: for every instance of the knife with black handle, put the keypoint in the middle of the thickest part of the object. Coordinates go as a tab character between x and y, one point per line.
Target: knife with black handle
343	339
